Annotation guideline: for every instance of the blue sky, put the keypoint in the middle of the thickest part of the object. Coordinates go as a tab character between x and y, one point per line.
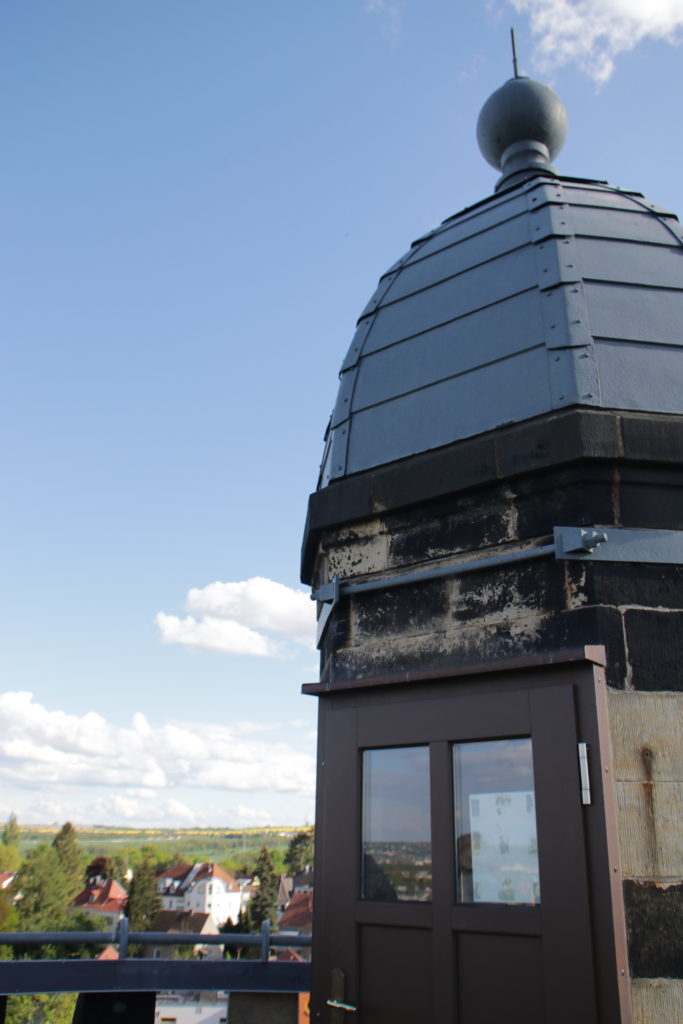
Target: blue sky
198	198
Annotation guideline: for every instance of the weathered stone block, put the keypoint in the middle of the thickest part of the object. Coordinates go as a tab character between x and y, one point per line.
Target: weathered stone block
467	529
525	588
357	551
654	641
565	497
624	583
589	625
657	1001
653	437
651	497
455	468
562	438
402	611
654	920
649	816
647	736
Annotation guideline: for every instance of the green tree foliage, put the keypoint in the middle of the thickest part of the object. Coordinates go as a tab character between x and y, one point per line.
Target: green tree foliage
240	927
299	855
144	902
44	891
70	859
43	1008
10	833
262	904
8	923
10	857
278	859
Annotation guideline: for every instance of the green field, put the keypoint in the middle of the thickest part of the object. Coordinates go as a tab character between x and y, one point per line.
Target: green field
235	849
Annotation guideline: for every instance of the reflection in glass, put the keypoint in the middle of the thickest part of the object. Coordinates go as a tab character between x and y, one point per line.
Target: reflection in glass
397	849
495	822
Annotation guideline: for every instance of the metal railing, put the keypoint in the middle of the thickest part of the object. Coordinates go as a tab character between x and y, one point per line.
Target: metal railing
154	974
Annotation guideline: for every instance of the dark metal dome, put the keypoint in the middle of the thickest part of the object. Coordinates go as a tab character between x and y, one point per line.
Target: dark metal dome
554	292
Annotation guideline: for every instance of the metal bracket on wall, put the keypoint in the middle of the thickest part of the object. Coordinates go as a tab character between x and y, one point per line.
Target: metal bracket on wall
579	543
615	544
330	602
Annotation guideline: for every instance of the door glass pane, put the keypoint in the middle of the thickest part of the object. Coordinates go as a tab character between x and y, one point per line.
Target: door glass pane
397	849
495	822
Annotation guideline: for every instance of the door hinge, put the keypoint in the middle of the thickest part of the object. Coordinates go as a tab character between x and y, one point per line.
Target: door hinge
583	772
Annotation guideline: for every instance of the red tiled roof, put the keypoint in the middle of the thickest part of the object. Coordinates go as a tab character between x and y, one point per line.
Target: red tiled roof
215	871
180	873
289	954
298	915
108	953
176	871
108	898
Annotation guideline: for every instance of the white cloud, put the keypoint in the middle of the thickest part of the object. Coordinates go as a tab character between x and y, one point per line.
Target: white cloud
212	634
248	817
592	33
41	747
237	618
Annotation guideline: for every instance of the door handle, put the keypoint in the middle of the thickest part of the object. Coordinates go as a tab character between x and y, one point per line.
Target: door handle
337	997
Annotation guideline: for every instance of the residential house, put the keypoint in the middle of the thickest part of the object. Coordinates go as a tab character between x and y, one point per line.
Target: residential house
202	888
284	893
191	1008
303	882
6	878
103	899
188	922
297	919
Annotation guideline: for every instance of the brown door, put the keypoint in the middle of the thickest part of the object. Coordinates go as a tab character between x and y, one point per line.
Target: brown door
451	883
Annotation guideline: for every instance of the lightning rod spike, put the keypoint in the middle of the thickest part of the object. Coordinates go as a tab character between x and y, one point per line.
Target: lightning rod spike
514	53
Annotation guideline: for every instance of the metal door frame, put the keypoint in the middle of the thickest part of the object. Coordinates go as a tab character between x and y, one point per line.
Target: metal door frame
543	677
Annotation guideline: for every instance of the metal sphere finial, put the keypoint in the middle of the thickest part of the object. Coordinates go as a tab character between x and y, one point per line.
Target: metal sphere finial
522	117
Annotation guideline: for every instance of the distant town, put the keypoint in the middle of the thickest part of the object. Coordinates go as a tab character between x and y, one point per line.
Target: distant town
195	881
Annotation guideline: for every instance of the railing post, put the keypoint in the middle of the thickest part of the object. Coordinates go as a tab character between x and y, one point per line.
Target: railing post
122	936
265	939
